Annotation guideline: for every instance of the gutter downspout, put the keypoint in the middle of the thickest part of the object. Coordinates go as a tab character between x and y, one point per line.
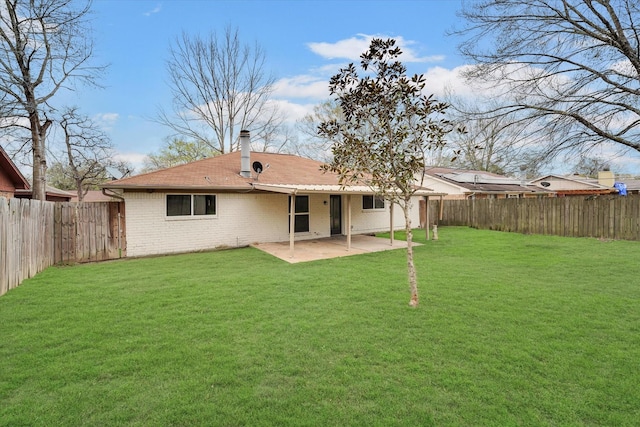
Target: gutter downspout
117	196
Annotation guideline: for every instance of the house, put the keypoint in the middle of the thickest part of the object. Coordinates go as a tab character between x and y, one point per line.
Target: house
11	179
467	184
575	185
241	198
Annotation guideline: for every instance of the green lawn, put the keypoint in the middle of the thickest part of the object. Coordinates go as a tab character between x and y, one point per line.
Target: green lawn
511	330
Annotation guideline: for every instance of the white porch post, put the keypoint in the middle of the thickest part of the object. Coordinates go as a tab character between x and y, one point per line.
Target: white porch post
348	222
391	222
426	212
292	223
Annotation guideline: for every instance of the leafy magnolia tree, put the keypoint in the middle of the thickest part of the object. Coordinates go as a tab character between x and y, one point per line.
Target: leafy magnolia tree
43	47
219	86
387	125
177	152
571	68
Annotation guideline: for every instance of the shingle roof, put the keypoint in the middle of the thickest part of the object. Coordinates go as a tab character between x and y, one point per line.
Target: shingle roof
481	181
14	174
223	173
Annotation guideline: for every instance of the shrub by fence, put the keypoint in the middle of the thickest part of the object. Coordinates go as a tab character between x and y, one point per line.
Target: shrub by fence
35	235
607	217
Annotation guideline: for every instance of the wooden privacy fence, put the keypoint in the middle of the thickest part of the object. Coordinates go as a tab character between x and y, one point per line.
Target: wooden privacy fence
26	240
607	217
35	235
88	232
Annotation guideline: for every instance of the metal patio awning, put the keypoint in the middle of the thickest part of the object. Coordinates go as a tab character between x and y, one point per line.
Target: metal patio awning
331	189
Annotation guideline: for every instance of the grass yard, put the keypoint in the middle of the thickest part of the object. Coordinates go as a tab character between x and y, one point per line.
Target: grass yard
511	330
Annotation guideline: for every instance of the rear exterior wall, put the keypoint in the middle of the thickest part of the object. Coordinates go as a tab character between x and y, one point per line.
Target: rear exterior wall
240	220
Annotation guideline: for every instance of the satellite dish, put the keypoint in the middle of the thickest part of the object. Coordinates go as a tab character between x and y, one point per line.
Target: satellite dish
257	167
545	183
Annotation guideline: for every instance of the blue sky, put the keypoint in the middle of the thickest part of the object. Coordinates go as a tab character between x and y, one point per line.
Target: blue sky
306	42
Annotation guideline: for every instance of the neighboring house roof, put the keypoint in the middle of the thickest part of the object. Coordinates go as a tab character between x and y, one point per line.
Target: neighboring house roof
52	194
572	185
632	184
282	173
11	171
474	181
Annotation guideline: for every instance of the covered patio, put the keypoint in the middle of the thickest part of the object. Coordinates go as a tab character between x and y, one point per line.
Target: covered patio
337	245
330	247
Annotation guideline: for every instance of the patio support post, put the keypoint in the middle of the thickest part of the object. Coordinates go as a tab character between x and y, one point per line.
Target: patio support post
426	211
391	222
348	222
292	223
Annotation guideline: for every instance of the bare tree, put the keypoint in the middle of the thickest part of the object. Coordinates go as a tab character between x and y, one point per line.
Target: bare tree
386	127
219	86
569	68
590	166
87	152
43	48
490	143
316	146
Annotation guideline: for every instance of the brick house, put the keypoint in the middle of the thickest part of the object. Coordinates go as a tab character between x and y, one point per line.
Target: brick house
242	198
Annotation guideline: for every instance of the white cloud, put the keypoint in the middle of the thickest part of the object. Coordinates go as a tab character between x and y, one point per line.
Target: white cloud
135	159
293	111
106	120
153	11
441	80
303	86
353	47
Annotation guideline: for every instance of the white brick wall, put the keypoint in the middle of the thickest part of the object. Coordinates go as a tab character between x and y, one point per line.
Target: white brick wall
374	221
241	219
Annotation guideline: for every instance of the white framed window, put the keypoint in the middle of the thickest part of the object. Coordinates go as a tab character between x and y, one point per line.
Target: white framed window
301	220
191	205
372	203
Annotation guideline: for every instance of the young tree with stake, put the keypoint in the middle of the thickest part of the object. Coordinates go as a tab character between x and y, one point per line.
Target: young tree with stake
387	125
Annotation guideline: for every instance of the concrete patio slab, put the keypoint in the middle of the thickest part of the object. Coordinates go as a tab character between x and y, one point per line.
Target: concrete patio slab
329	247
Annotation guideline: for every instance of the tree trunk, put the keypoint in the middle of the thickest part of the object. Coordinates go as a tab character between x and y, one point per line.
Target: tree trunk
411	268
39	185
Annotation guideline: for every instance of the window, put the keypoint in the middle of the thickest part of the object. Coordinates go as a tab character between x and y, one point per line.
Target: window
301	220
191	205
372	202
204	204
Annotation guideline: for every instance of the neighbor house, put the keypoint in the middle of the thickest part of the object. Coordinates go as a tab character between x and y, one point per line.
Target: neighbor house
469	184
52	194
575	185
11	179
245	197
